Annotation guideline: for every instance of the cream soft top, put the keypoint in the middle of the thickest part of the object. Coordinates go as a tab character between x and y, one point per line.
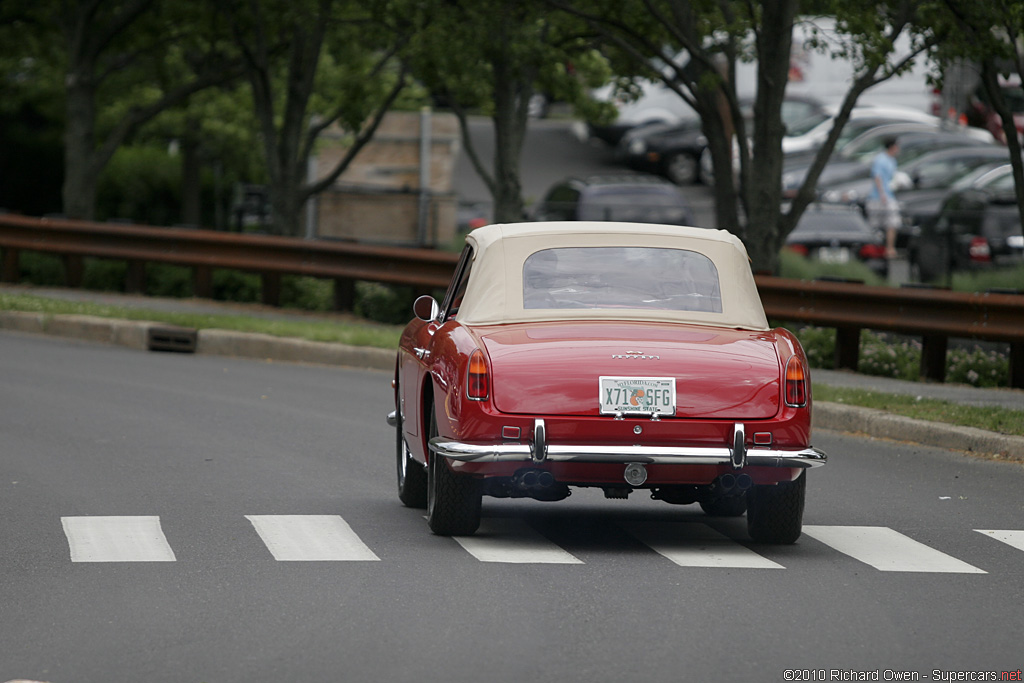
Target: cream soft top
494	294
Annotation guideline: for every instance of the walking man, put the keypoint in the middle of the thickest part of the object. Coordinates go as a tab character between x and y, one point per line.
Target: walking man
883	209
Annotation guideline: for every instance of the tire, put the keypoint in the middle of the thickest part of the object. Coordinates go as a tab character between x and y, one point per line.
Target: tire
682	169
412	478
775	512
731	506
453	500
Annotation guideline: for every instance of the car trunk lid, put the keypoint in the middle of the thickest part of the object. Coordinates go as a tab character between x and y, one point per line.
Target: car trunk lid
554	368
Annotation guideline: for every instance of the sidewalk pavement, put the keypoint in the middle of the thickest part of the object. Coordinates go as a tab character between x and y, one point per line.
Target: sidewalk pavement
833	416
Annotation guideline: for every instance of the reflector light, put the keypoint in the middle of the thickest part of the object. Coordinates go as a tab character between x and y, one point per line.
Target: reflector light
796	383
478	384
872	251
979	249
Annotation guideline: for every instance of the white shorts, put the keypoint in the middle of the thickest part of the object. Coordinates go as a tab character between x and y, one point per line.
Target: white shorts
884	214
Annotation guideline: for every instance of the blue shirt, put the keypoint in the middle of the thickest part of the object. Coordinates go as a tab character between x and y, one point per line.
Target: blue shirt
884	168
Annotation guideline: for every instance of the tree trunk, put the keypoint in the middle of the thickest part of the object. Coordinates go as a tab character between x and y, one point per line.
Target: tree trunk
763	183
79	191
511	99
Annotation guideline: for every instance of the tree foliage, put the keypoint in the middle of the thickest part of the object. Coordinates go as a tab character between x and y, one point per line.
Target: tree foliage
310	65
495	56
698	44
987	37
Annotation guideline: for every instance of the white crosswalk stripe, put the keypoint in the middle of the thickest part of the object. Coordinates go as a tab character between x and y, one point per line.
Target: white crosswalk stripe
116	539
888	550
310	538
1014	538
298	538
512	541
697	545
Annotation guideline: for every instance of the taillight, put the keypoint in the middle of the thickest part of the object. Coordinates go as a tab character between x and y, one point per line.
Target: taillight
979	249
478	384
796	383
872	251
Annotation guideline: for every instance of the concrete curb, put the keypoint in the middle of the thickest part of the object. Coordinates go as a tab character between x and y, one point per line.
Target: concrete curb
833	416
880	424
135	334
225	343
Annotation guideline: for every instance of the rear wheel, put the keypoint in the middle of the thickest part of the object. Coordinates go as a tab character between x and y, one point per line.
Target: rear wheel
775	512
412	478
453	500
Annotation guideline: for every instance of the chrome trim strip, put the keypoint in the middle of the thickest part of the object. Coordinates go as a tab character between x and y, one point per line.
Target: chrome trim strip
647	455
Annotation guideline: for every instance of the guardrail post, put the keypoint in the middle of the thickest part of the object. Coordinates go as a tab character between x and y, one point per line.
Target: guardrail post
74	269
1017	365
9	269
202	282
933	357
344	294
847	348
135	278
271	288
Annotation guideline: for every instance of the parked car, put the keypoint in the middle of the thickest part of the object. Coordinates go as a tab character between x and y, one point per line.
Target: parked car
636	198
675	150
977	228
837	235
853	161
809	138
920	207
937	166
592	354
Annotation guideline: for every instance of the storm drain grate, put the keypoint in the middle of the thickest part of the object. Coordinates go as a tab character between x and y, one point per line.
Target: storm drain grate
180	339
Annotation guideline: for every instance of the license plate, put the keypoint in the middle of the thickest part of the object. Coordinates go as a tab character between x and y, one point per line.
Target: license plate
638	395
834	255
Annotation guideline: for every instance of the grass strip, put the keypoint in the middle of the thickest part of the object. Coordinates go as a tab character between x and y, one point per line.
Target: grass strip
989	418
354	333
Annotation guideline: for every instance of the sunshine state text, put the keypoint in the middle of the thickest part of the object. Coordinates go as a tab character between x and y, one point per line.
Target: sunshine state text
891	675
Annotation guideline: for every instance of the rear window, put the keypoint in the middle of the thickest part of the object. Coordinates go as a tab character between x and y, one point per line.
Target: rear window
648	278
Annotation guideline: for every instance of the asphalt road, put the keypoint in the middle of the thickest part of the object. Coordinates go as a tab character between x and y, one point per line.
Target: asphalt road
157	510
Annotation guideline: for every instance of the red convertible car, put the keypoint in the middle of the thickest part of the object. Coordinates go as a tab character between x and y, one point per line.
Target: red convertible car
613	355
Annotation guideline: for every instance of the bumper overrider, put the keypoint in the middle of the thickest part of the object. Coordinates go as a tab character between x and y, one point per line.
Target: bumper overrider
539	450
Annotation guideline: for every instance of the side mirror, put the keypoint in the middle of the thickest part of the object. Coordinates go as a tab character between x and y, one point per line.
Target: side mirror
425	308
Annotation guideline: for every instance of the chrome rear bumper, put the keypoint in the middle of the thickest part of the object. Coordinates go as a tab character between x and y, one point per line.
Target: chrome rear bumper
648	455
538	451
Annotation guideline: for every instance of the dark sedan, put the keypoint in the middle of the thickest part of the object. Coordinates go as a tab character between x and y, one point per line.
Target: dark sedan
675	150
633	198
838	235
977	228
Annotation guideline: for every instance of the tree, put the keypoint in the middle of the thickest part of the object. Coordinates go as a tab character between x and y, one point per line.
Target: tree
989	36
148	53
312	64
700	44
495	56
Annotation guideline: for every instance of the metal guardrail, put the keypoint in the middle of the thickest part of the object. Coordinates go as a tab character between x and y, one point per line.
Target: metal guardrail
205	250
934	315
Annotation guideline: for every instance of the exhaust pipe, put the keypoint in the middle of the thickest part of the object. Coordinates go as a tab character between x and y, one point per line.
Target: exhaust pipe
533	480
732	484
